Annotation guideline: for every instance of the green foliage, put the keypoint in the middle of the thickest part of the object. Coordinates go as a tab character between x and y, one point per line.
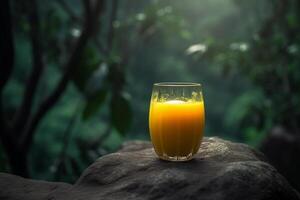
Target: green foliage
245	107
269	60
250	82
121	115
83	71
93	104
254	136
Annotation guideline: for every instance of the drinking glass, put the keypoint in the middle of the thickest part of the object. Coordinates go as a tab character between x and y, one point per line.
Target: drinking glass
176	120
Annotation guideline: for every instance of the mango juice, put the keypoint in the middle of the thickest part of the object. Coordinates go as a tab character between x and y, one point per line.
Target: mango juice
176	128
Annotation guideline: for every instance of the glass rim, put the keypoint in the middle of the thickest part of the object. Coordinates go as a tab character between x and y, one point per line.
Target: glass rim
177	84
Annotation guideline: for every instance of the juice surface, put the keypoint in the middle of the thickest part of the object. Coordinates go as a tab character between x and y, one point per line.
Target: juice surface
176	127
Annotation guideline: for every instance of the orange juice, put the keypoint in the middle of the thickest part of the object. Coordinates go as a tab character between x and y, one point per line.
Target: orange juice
176	128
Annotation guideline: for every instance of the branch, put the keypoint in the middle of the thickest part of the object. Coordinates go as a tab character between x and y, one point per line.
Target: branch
6	43
105	50
94	8
74	59
68	132
87	9
65	143
6	138
112	18
37	69
279	10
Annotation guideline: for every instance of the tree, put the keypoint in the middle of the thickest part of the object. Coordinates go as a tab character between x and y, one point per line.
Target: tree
107	50
270	60
17	135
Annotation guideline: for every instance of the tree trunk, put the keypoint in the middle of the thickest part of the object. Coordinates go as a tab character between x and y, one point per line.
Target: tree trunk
16	155
18	163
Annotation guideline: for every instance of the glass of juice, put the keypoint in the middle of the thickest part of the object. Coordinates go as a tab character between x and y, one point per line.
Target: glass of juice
176	120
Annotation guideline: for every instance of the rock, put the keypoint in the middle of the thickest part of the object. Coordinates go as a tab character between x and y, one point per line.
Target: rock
282	149
221	170
17	188
135	146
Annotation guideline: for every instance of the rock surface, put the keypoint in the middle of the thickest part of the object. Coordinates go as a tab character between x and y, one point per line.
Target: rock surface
14	187
221	170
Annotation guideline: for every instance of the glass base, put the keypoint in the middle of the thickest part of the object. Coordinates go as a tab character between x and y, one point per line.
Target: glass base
176	158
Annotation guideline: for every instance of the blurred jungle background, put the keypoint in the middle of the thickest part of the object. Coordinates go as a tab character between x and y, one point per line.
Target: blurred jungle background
76	77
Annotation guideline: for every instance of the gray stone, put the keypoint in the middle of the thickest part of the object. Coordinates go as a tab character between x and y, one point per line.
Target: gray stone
17	188
220	170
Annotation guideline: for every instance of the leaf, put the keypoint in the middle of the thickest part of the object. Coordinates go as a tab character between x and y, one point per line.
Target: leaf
93	104
242	108
121	114
97	81
82	72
